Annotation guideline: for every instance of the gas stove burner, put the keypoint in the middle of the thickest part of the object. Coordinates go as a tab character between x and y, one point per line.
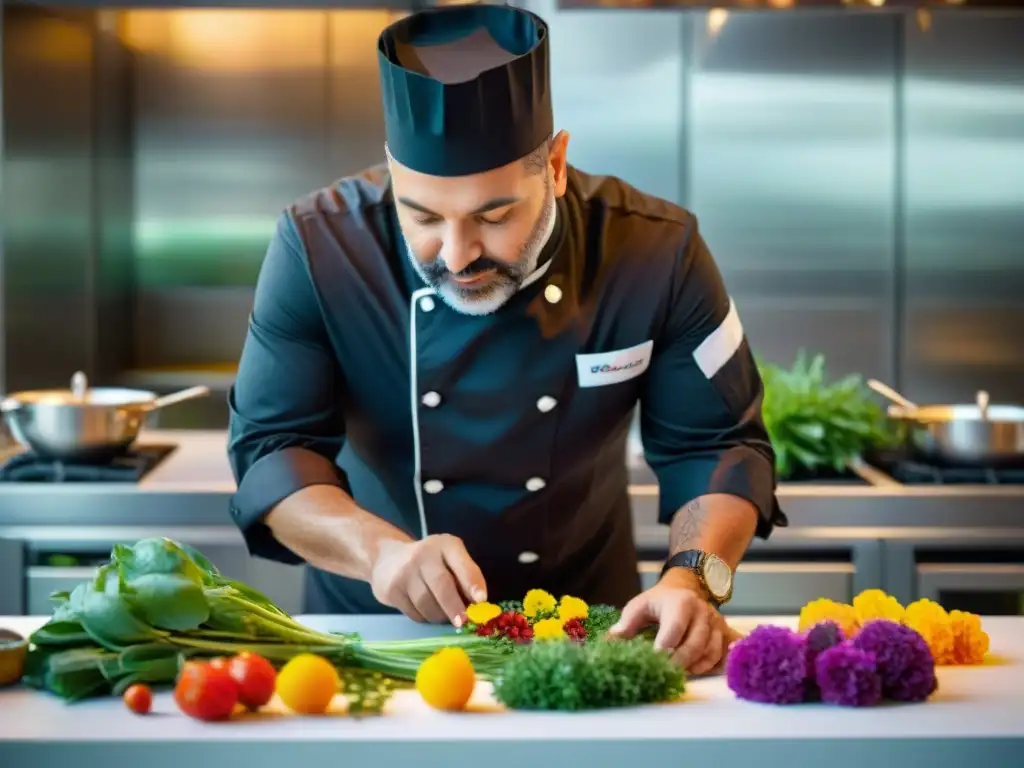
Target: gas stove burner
910	470
129	467
917	473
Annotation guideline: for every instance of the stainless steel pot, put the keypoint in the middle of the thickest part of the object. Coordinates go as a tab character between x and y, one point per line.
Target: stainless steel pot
979	434
83	424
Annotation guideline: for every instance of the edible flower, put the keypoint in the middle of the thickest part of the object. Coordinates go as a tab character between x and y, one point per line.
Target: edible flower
876	604
513	626
538	601
575	629
548	629
824	609
848	677
817	640
481	613
904	660
572	608
767	666
930	620
970	641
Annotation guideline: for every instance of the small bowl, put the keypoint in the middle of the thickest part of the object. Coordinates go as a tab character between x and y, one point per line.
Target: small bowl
13	649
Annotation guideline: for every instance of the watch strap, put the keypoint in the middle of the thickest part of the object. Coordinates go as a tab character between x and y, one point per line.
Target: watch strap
692	560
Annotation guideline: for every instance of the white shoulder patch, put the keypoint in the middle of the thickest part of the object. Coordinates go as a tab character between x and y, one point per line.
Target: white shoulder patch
722	343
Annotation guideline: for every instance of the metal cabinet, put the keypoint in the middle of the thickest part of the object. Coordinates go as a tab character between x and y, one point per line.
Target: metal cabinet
776	588
982	588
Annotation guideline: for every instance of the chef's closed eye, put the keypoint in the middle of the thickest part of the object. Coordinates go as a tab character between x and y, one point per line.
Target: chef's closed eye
496	221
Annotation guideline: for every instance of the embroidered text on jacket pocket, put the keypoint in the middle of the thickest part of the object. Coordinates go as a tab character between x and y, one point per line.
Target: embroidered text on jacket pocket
603	368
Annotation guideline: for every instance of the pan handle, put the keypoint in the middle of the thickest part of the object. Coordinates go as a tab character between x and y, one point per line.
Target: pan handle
982	400
10	405
178	397
891	394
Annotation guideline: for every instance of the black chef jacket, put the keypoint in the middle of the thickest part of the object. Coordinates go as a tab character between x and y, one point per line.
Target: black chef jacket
507	430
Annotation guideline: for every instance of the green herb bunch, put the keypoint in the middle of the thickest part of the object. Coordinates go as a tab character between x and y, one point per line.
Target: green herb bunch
815	425
158	603
600	619
562	675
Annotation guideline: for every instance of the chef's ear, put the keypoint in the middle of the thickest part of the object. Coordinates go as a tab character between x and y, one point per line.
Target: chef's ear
558	161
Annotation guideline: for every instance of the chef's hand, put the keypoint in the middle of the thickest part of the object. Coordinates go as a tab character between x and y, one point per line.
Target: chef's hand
688	625
429	580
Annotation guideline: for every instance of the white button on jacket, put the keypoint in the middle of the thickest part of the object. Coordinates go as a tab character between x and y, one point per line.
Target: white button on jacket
546	403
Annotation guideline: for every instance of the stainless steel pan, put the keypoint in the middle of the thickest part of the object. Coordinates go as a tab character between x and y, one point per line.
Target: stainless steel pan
977	434
83	424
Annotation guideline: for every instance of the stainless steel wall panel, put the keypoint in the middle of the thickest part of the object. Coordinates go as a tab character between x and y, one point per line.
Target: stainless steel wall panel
231	125
617	88
355	131
113	215
791	125
964	231
48	252
238	112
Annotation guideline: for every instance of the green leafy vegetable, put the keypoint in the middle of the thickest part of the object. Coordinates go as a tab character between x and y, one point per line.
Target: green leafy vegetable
600	619
169	602
816	425
157	603
562	675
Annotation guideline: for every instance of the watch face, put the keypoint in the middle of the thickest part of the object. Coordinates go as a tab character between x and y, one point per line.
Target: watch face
718	576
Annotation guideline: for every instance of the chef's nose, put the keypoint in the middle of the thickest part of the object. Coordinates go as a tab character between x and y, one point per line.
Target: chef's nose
460	249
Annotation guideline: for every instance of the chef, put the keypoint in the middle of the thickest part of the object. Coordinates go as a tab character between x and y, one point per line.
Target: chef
446	352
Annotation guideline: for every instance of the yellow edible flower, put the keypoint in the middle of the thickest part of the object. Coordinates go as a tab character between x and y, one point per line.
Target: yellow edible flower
481	613
970	641
572	608
876	604
537	601
548	629
824	609
930	620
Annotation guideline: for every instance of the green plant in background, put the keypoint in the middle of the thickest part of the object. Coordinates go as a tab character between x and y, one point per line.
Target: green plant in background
816	425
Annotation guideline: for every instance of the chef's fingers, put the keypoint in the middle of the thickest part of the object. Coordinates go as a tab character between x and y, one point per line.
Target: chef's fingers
445	590
694	643
423	599
714	652
405	605
730	636
635	616
674	620
467	573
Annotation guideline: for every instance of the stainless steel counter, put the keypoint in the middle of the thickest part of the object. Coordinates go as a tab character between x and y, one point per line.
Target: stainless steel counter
191	488
841	538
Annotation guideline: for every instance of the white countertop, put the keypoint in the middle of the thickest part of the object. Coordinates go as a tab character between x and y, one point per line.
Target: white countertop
972	703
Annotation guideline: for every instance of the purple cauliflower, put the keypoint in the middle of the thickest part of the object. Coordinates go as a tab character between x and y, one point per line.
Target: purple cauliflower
905	662
768	666
818	639
848	677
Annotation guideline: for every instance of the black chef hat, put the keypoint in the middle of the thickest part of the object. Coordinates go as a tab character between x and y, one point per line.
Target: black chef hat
465	88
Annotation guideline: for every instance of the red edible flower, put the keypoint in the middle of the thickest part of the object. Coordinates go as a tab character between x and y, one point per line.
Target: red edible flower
575	630
512	625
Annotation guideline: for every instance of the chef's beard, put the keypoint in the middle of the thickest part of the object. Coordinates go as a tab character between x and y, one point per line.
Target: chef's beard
507	277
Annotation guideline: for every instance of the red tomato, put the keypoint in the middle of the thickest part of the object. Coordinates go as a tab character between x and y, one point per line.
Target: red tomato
139	699
255	678
205	691
220	662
